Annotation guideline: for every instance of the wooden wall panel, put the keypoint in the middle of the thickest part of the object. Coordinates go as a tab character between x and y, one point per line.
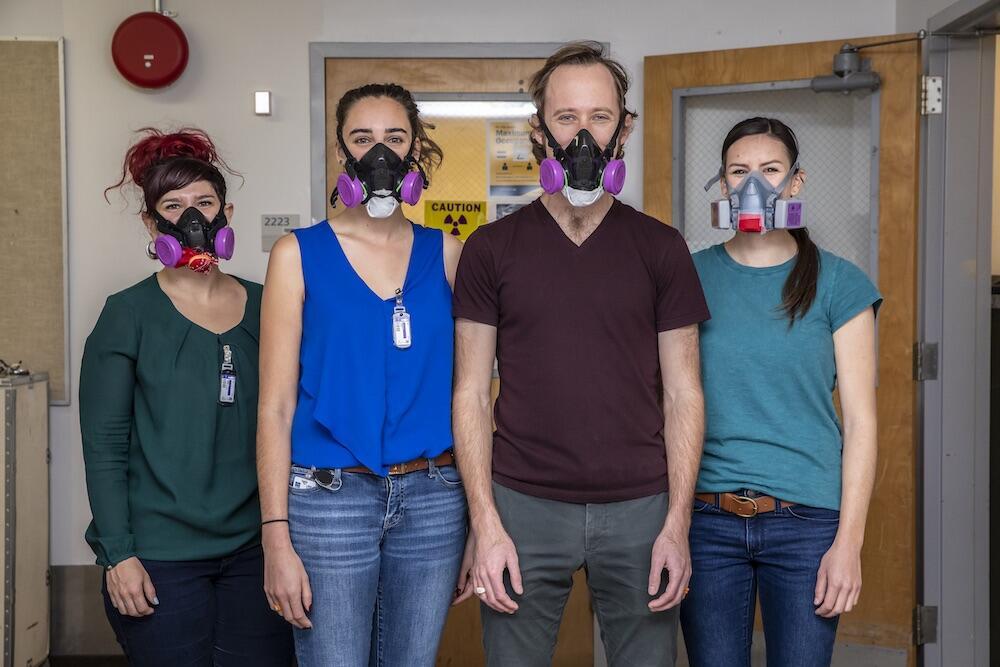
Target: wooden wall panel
889	558
996	164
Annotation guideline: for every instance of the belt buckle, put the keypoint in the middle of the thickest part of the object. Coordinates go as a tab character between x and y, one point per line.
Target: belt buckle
396	468
744	500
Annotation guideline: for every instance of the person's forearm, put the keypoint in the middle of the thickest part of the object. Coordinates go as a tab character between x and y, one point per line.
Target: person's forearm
273	466
683	434
474	449
858	469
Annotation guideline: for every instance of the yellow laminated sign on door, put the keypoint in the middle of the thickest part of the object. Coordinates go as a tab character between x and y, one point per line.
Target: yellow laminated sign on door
511	162
458	218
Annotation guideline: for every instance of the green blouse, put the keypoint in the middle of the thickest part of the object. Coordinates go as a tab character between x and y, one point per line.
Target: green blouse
170	470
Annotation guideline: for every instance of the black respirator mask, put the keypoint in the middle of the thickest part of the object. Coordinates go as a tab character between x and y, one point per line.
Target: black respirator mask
193	241
380	180
582	170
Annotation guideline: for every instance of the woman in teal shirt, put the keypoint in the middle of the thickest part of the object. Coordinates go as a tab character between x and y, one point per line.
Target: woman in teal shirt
168	398
783	490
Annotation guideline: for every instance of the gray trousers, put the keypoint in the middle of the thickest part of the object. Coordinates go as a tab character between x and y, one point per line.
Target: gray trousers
613	543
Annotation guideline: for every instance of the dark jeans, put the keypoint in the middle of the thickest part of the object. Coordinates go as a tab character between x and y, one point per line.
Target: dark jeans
777	555
211	613
613	542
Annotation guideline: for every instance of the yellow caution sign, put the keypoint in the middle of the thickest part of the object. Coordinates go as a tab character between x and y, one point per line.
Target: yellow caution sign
458	218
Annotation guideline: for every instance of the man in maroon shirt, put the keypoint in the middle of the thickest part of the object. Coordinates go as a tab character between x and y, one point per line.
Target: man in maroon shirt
592	311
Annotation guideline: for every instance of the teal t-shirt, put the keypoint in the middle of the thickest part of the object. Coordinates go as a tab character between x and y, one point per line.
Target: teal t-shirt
770	424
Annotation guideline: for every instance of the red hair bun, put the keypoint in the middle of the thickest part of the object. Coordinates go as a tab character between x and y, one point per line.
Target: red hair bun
157	146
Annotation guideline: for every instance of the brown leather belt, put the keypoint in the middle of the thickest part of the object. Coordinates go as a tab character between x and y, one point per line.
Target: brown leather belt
744	506
446	459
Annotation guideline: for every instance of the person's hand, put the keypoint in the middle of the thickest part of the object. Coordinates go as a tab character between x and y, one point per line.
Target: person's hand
838	582
463	589
130	588
670	553
494	553
286	583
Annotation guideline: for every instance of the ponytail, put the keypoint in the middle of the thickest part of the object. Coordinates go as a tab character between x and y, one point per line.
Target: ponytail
799	292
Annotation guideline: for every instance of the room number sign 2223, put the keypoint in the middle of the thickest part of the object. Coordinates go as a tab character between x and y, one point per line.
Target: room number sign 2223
277	221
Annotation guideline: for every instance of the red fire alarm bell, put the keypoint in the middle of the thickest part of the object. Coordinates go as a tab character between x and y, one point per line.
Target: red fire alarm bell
150	50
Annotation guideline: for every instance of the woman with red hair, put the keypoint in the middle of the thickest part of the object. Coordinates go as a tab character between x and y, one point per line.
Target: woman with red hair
168	400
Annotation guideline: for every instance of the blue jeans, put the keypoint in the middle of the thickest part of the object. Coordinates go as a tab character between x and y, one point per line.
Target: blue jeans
775	555
211	613
382	555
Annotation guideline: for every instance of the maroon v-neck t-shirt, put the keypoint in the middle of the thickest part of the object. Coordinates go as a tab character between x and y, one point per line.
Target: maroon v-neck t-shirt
579	417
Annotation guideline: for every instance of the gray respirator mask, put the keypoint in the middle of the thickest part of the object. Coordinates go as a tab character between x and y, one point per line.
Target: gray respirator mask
756	206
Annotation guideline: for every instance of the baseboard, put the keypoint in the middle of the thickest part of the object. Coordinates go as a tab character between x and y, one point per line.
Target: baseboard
87	661
79	626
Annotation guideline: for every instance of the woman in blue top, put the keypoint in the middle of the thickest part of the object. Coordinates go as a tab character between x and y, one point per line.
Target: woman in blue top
783	490
364	515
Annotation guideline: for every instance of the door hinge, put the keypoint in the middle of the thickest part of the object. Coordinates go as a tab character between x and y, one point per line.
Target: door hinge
931	95
48	455
925	361
925	622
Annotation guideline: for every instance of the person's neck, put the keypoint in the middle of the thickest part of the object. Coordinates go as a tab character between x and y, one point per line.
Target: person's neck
377	230
762	250
577	220
194	285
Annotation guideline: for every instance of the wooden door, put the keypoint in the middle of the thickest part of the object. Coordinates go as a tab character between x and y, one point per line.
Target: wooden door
461	644
884	617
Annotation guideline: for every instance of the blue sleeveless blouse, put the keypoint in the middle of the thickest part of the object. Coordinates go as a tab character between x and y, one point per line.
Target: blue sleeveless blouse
361	400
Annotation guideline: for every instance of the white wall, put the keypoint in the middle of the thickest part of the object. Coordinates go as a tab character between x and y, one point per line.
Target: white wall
240	45
912	15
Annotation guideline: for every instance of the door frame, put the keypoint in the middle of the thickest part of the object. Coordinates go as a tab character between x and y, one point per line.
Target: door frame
954	312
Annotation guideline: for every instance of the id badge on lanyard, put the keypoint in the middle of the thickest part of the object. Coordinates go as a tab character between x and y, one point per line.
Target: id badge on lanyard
402	336
227	378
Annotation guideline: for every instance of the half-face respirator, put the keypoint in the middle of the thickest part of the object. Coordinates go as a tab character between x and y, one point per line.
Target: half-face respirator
582	170
380	180
755	205
193	241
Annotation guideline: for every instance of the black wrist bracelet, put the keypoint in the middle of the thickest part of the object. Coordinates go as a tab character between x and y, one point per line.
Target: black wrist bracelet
264	523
